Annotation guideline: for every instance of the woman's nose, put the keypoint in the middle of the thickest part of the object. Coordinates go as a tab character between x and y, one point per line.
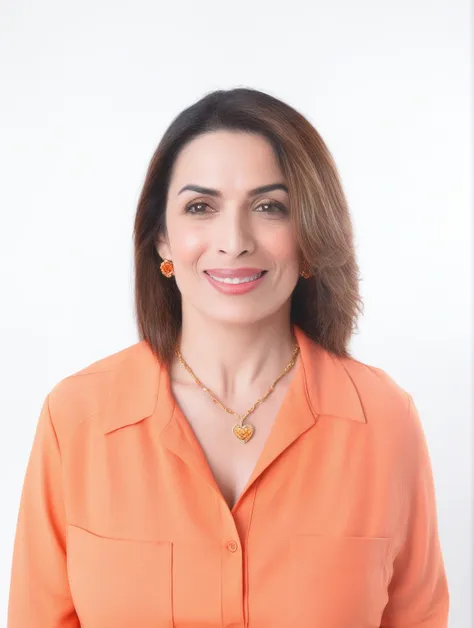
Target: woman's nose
235	234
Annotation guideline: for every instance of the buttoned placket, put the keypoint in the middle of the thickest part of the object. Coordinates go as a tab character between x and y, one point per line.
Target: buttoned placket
232	572
180	438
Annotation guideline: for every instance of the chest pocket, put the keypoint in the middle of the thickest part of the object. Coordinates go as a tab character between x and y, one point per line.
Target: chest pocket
119	583
337	582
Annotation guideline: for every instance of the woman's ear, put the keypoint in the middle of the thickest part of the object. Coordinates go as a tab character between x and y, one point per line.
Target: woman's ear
162	247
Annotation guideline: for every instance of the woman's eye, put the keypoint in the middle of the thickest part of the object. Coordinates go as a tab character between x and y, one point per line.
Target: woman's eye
191	209
273	208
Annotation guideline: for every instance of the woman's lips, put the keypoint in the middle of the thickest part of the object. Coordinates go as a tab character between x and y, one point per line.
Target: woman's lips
234	272
237	288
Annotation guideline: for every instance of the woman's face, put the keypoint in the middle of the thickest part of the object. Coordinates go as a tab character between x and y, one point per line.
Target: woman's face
226	228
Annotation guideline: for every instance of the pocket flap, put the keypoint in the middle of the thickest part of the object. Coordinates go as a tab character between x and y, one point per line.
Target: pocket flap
117	582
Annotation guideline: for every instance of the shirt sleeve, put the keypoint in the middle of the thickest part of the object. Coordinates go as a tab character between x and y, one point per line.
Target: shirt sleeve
418	591
39	590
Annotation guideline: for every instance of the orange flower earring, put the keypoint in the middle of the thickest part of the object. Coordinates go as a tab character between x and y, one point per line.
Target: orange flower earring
305	271
167	268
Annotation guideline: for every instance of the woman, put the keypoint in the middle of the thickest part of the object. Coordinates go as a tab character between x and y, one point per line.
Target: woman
235	467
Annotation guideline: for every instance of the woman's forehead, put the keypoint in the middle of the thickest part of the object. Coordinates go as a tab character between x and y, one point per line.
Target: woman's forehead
236	162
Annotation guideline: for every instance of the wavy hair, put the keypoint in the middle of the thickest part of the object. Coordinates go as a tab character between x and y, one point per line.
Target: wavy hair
326	306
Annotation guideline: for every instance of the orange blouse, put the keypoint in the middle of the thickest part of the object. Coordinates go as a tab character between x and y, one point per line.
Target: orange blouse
122	524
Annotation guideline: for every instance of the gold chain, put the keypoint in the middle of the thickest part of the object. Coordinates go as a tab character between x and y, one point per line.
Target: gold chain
242	432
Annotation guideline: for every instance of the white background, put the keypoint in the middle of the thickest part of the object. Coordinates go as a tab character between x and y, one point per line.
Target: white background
87	90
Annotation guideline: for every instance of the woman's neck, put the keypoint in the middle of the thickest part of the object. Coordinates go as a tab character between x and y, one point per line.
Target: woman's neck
234	360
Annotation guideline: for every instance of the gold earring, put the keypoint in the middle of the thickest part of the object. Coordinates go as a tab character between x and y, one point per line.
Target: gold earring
167	268
305	271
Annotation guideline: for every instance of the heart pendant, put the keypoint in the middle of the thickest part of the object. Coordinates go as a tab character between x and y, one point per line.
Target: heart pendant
243	432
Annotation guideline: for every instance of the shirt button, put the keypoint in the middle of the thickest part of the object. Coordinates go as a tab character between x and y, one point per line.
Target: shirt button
232	546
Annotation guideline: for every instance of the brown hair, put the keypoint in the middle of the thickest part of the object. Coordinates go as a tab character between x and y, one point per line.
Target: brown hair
327	305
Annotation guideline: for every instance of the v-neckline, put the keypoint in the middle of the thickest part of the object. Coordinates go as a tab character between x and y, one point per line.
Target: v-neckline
292	419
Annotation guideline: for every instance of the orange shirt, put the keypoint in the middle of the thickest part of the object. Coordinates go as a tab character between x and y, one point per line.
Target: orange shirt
122	524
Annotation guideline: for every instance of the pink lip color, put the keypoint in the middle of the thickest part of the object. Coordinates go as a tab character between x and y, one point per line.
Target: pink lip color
236	288
234	272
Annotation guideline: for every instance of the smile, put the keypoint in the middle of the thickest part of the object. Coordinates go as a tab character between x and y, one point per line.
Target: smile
236	280
236	285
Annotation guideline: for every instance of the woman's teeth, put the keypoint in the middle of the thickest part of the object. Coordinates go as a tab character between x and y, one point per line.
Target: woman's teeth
236	280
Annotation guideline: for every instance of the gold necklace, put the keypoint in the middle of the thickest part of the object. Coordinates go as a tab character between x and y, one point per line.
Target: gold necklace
243	432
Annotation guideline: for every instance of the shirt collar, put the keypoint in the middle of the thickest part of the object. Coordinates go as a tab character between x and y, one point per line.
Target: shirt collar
329	387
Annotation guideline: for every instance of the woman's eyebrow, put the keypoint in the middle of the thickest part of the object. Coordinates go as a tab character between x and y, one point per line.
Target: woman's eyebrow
211	192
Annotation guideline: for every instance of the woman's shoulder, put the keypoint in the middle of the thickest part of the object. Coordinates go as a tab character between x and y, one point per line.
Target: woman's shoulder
84	394
348	387
374	380
395	425
388	404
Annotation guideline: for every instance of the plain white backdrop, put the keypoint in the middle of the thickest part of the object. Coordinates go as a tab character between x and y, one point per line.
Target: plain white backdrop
88	88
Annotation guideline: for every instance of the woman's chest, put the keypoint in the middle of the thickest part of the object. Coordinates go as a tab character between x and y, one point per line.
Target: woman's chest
231	453
309	540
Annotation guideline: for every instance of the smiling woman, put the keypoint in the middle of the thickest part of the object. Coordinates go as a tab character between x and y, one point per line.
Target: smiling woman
244	165
147	499
211	235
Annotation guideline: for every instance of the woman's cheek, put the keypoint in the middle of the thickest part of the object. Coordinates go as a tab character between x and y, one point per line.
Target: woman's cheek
189	247
282	247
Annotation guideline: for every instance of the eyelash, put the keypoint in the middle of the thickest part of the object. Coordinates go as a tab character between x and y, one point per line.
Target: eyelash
281	208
